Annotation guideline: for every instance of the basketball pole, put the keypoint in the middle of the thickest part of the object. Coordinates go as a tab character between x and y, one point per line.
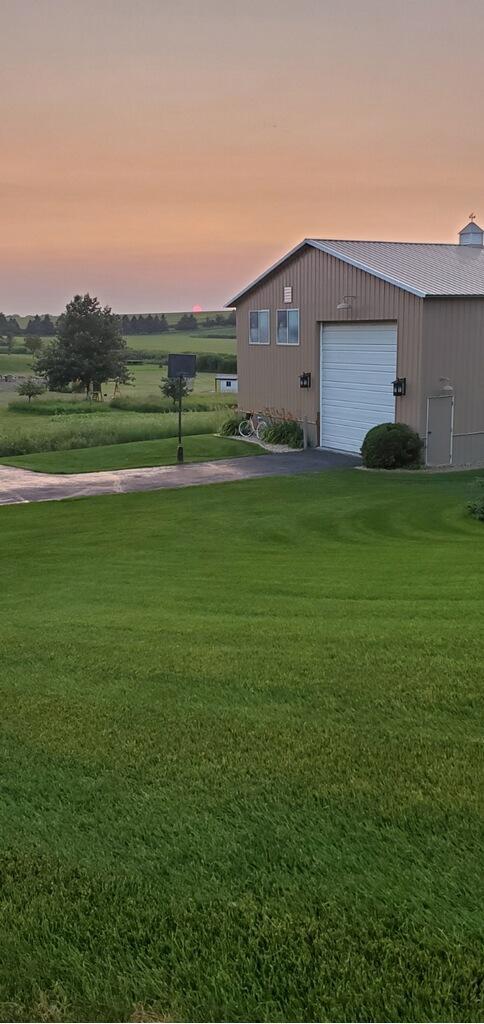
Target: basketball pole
179	451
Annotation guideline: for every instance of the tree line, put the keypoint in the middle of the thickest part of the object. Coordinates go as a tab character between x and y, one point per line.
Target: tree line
152	323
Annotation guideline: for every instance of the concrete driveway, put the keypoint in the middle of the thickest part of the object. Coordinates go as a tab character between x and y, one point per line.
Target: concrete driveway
22	485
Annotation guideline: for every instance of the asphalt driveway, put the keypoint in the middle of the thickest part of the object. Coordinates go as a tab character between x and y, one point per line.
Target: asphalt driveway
18	486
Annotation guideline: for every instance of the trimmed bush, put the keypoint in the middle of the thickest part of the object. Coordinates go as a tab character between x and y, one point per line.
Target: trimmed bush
231	426
392	446
285	432
475	507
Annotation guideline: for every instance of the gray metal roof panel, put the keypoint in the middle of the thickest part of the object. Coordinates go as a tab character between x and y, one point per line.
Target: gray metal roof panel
425	268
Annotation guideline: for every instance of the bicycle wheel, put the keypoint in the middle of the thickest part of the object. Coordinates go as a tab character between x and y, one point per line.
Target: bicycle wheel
245	428
262	428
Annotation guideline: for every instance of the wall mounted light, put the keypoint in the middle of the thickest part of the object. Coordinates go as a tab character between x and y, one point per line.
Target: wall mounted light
305	380
400	387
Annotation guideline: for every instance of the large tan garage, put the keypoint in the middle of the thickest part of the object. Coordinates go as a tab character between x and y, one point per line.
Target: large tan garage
380	331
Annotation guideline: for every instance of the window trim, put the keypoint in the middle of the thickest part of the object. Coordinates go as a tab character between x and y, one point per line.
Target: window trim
289	344
268	326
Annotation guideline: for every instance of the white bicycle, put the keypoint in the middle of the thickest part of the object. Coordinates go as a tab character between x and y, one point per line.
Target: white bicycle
253	426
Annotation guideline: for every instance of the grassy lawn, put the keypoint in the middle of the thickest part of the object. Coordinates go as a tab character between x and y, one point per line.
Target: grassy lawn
241	753
136	454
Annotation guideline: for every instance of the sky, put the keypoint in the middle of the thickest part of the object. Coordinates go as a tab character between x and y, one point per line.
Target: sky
161	153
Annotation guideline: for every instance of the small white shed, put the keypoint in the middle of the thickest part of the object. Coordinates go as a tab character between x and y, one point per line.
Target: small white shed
227	382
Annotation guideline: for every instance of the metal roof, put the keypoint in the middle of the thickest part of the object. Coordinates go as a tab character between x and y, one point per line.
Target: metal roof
423	268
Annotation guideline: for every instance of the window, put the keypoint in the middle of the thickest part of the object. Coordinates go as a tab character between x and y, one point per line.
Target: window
288	327
228	383
259	327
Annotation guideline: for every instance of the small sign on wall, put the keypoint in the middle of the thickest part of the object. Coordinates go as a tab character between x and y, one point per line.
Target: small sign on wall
288	293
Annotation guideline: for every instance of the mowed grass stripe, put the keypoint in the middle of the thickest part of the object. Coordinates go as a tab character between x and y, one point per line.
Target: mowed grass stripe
138	454
241	738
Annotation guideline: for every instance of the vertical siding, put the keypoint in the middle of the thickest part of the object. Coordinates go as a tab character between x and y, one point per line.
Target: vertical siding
269	375
453	347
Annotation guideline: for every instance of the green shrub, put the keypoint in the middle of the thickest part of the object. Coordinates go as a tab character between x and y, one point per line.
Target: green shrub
231	426
211	362
285	432
392	446
475	506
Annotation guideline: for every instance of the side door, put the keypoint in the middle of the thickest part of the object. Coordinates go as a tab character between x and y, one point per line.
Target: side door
440	417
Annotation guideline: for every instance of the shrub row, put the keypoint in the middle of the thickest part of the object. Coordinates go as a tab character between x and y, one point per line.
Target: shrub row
55	408
211	362
207	362
194	403
286	432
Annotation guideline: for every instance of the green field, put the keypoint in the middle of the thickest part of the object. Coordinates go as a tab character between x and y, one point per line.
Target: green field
197	448
178	341
147	376
241	743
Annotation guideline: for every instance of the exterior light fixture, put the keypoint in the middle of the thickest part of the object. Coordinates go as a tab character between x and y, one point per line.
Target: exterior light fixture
400	387
305	380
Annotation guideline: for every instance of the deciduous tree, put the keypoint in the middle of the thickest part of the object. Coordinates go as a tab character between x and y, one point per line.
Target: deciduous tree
32	343
174	387
30	389
89	347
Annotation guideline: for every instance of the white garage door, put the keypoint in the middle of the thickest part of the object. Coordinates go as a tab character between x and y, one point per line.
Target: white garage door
358	367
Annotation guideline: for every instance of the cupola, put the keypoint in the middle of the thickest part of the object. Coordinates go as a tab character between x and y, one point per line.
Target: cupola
472	234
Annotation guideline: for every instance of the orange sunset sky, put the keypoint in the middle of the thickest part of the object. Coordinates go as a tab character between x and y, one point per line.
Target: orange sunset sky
161	153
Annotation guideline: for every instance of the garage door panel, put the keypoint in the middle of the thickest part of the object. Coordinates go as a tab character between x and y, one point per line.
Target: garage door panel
358	366
373	380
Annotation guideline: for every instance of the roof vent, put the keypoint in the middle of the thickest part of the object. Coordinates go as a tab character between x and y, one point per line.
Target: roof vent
472	234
